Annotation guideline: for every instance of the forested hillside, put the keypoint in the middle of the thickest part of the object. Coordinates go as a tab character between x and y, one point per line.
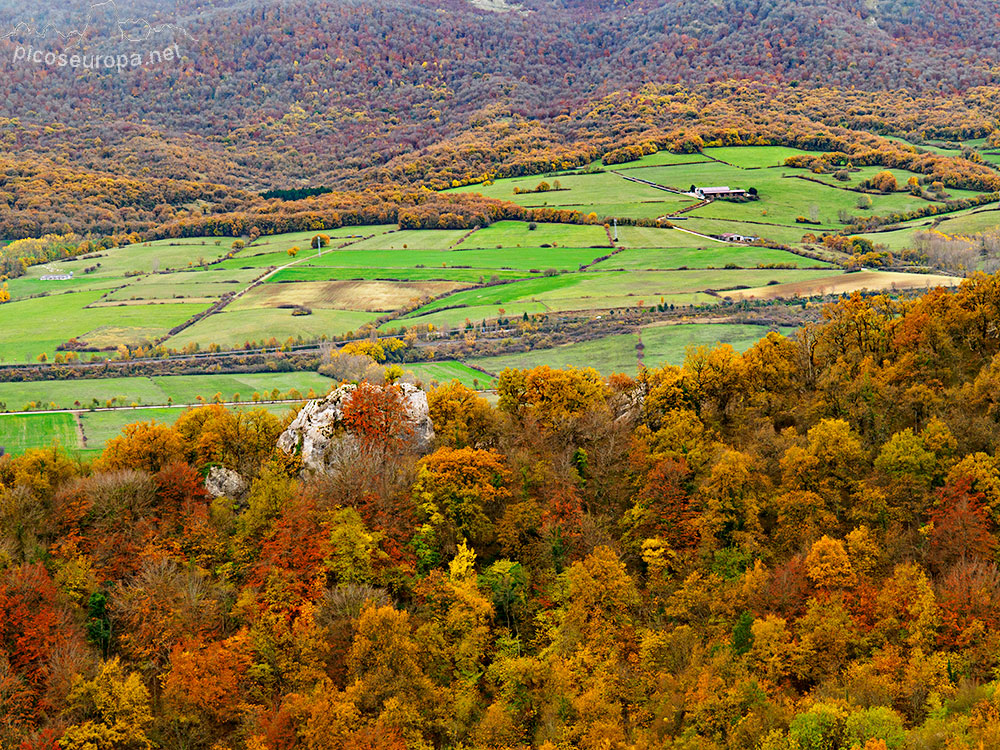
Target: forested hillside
344	94
789	549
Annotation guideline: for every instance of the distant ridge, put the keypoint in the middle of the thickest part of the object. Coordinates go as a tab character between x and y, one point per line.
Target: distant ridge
104	20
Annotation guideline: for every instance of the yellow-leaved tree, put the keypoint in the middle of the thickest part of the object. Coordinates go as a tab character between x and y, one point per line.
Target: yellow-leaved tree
112	711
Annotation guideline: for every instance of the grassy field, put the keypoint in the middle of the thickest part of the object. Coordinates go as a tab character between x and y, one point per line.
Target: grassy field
665	344
33	286
466	275
184	284
147	257
177	389
603	193
873	281
855	178
752	227
234	327
754	157
712	256
282	242
22	433
411	239
472	313
653	237
485	260
659	159
607	355
30	327
896	240
983	220
446	371
668	344
597	291
515	234
783	195
344	295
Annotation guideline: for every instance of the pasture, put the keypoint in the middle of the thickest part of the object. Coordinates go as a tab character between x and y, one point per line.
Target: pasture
444	372
711	256
146	257
668	344
982	220
872	281
464	275
660	159
785	195
602	193
232	328
370	296
655	237
620	353
29	328
510	258
752	227
516	234
753	157
85	393
410	239
607	355
280	243
22	433
598	291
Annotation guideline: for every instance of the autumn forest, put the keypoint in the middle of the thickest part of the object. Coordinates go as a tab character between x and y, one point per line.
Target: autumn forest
767	517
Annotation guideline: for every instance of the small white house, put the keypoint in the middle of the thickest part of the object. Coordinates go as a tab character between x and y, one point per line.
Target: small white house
721	191
733	237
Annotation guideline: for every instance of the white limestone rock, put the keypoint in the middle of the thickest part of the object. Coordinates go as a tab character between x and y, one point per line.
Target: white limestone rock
223	482
318	434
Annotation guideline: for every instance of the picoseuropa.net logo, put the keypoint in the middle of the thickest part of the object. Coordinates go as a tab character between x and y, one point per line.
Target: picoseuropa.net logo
99	36
29	55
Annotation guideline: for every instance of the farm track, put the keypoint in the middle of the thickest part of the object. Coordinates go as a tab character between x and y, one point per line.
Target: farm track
651	184
80	434
703	236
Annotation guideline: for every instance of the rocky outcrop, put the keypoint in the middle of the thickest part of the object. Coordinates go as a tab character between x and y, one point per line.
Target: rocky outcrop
319	437
223	482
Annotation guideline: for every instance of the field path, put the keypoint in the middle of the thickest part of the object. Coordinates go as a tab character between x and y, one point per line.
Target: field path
703	236
651	184
80	434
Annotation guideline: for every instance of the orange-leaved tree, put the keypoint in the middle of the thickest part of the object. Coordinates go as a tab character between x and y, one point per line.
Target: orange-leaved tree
146	446
460	491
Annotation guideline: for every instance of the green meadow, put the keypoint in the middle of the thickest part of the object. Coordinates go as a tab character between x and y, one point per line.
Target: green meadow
29	328
22	433
712	256
620	353
447	371
602	193
84	393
